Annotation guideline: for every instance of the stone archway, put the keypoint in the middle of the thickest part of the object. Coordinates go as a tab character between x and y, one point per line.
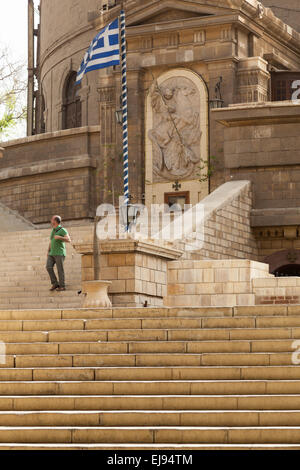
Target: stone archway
284	263
288	270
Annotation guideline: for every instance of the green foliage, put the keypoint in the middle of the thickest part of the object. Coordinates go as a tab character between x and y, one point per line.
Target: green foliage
7	119
12	94
206	169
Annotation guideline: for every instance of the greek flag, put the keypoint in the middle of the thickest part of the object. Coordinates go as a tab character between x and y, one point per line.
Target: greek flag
103	52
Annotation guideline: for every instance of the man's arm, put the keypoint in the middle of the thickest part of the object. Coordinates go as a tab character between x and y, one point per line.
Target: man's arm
49	248
66	238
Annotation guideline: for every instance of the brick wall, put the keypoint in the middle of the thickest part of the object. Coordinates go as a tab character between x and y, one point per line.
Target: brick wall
227	231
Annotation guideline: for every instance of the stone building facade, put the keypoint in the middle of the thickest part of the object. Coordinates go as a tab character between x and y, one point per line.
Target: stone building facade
209	87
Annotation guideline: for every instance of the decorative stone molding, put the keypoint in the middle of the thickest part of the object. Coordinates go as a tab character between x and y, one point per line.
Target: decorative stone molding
147	43
173	39
226	34
253	80
260	11
107	94
200	36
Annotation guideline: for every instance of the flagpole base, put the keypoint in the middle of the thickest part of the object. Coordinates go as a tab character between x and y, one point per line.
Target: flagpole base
96	294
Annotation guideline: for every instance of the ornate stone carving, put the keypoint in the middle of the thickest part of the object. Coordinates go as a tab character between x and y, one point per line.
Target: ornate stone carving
260	11
176	133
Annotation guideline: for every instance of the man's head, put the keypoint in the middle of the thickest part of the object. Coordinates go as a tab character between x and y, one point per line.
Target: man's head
55	221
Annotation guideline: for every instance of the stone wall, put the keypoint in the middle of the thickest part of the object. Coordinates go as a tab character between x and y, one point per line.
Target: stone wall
261	143
52	173
227	283
66	34
226	231
213	283
277	291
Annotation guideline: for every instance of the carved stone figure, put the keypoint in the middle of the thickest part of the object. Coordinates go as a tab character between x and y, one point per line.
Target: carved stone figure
176	128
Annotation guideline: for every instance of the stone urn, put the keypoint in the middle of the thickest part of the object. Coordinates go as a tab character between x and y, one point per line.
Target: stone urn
95	294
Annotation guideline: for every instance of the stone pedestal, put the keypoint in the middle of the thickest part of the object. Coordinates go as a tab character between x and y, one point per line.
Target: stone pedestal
95	294
137	270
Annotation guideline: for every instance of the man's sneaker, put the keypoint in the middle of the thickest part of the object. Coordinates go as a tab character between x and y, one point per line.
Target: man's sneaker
60	289
53	288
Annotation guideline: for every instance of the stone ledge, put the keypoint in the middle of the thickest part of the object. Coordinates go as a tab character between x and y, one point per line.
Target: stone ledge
46	166
275	217
51	135
129	246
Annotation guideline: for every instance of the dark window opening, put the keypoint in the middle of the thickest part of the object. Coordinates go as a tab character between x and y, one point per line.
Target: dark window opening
283	85
42	118
289	270
177	200
71	103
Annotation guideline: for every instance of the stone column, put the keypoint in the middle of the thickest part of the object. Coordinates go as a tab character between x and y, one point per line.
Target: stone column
253	80
136	135
107	100
84	95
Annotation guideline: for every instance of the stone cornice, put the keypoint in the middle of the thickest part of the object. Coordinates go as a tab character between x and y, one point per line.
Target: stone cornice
193	23
262	17
51	135
251	114
129	245
55	165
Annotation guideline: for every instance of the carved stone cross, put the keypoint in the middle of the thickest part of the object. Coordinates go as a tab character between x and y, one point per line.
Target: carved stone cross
176	186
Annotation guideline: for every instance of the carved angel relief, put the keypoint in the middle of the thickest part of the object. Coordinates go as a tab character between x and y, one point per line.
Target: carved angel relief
176	130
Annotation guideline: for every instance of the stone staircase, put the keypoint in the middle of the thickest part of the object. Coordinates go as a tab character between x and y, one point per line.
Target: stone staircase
24	282
152	378
12	221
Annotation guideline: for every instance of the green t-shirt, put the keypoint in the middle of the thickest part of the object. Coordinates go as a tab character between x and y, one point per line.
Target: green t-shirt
58	247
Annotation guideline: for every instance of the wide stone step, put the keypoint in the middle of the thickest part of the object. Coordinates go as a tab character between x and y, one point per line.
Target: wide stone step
151	373
185	327
172	347
157	447
150	402
140	359
149	347
161	435
179	387
150	418
155	418
230	318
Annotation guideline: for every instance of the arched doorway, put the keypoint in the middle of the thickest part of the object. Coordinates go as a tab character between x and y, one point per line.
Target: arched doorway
71	103
288	270
284	263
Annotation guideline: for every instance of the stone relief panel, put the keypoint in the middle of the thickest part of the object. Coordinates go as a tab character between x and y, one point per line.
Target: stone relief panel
175	129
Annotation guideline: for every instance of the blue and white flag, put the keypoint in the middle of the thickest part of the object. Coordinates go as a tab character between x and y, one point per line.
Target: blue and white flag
103	52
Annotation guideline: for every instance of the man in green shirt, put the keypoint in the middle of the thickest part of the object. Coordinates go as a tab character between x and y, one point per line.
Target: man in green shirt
57	253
